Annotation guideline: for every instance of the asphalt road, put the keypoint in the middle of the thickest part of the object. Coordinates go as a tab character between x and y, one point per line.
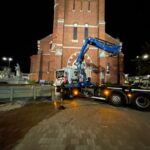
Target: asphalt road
90	125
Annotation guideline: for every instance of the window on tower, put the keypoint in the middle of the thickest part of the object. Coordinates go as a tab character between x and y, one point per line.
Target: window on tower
108	68
75	30
73	4
81	5
86	31
89	5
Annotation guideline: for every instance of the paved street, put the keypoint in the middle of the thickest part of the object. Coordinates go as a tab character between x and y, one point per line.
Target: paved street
90	125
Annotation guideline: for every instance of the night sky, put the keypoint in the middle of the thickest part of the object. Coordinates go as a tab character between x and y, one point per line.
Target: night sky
23	23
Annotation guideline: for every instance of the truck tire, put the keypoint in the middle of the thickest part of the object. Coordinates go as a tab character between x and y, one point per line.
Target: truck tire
142	102
116	99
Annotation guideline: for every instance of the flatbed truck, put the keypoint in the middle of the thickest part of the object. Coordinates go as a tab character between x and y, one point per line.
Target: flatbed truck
78	85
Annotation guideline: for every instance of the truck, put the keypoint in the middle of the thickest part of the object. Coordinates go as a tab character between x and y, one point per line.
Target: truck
79	85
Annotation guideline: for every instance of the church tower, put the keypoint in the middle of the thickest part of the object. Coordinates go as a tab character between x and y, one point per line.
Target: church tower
74	21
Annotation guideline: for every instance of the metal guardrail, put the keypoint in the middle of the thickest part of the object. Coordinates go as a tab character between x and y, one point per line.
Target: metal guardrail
12	92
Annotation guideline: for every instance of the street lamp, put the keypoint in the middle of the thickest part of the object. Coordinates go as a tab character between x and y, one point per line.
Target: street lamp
9	59
145	56
141	62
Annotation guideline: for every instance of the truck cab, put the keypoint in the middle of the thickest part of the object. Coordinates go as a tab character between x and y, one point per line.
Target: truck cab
68	74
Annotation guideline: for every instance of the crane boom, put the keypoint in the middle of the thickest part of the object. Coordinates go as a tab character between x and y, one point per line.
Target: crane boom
99	43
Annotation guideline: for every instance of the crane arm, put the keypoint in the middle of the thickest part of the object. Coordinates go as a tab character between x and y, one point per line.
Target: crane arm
104	45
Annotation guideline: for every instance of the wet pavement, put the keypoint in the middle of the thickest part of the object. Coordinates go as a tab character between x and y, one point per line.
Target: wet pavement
90	125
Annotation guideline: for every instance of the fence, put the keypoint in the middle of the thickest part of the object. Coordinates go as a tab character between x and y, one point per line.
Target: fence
12	92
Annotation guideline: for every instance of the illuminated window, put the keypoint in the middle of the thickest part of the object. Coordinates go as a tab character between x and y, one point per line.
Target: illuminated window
108	68
75	30
86	31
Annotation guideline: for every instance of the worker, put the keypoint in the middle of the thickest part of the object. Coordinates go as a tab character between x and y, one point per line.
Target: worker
62	96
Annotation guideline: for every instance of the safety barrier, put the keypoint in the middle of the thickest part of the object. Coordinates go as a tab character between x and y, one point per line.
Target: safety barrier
12	92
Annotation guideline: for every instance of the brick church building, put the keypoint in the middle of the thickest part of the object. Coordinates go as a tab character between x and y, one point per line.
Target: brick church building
74	21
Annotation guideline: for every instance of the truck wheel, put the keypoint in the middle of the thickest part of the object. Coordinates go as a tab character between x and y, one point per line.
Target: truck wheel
142	102
116	99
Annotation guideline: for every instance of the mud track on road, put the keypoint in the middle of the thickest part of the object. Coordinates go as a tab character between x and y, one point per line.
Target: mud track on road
14	124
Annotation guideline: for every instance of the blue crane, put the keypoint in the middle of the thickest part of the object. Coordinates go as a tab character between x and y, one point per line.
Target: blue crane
109	47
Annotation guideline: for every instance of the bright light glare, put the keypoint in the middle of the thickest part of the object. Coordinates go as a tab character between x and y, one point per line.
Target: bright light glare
145	56
129	95
75	92
10	59
4	58
7	58
106	92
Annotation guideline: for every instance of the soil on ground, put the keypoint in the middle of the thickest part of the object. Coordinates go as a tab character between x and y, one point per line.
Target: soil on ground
15	123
